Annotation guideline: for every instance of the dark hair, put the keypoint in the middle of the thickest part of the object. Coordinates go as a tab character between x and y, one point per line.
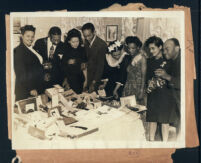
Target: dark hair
154	40
88	26
133	39
73	33
54	31
176	42
27	28
117	48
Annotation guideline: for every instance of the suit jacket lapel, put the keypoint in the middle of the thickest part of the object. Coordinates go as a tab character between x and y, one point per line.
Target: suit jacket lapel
45	49
94	43
58	49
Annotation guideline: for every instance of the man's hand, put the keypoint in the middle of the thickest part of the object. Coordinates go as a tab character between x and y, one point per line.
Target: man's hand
33	92
71	61
163	74
65	84
92	87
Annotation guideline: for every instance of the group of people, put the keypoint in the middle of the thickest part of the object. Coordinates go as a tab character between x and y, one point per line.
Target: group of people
149	70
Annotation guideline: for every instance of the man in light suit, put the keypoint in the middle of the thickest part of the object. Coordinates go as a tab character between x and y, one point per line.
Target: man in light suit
96	49
51	48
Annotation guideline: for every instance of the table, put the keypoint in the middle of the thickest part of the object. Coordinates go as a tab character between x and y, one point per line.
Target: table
116	128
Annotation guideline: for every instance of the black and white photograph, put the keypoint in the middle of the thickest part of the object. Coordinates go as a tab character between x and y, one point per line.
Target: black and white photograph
89	80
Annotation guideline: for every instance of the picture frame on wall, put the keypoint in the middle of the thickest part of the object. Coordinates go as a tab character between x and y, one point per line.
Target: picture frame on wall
16	26
111	33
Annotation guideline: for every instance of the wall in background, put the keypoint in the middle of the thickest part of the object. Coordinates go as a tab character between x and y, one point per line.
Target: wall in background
141	27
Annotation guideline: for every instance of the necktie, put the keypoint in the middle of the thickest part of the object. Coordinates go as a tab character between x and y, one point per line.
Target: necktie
51	52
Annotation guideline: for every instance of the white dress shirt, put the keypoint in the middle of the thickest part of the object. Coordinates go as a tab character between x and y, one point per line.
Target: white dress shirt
91	43
49	44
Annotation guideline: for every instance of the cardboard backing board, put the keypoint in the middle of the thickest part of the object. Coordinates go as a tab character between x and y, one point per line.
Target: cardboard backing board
119	155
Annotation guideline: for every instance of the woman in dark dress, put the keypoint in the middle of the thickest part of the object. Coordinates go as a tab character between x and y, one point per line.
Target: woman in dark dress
73	62
28	66
160	102
115	74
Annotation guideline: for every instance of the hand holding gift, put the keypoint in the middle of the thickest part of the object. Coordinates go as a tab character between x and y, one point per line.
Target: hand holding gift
115	94
102	86
71	61
92	87
65	84
47	77
162	74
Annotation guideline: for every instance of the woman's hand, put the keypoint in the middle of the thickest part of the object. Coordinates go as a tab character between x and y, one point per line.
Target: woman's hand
65	84
115	94
34	92
102	86
85	86
83	66
136	59
71	61
141	94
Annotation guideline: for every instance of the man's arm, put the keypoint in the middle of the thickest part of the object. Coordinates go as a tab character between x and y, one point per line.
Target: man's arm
100	63
174	82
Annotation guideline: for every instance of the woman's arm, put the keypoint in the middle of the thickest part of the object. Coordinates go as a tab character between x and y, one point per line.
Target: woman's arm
21	69
143	70
115	91
85	76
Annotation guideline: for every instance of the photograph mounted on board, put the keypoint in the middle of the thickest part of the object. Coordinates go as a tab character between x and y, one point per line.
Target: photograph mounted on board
115	78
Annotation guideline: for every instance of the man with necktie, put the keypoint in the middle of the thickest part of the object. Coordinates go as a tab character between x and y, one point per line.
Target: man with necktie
96	49
51	48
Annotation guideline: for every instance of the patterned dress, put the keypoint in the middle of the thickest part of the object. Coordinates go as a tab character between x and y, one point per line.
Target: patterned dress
134	81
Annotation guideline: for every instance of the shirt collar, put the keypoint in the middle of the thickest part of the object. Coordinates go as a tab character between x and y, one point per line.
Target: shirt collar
50	43
91	43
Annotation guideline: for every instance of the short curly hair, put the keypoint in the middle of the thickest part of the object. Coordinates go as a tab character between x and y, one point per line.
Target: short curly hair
27	28
74	33
154	40
135	40
88	26
54	31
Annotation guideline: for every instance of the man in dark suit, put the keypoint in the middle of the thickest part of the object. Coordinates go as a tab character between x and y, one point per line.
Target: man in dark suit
96	49
171	50
51	48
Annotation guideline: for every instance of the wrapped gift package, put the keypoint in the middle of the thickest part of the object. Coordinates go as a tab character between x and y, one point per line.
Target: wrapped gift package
128	100
59	88
67	114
